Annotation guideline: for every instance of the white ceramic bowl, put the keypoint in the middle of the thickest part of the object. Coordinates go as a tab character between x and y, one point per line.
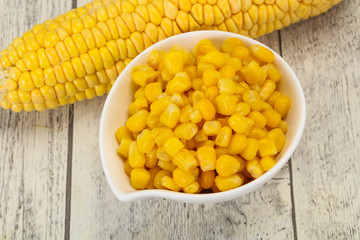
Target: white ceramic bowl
114	115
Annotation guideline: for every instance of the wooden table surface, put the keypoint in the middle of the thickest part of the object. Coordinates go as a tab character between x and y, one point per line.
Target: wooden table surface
52	184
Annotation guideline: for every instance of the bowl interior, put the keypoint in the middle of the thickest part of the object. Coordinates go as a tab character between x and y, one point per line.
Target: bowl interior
115	114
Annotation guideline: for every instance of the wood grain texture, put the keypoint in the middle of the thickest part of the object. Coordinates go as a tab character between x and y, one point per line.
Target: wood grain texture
33	153
325	54
97	214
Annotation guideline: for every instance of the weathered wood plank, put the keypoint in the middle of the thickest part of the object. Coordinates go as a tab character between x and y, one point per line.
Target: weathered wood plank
97	214
325	54
33	155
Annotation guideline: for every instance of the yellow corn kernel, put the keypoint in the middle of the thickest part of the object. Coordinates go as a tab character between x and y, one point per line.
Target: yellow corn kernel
179	84
186	130
140	103
185	160
197	84
159	175
252	73
226	86
242	108
267	147
262	53
143	74
257	133
145	142
282	105
153	171
251	149
229	182
254	168
121	133
161	135
160	105
267	89
275	95
240	52
139	178
152	91
258	118
237	144
223	137
211	93
206	109
207	179
227	165
211	77
227	71
137	122
273	118
221	151
174	61
278	137
195	116
200	136
163	156
230	43
185	114
178	100
173	145
283	126
272	72
152	121
193	187
207	158
211	128
170	184
166	76
240	124
170	116
183	178
51	39
252	98
225	104
151	158
17	107
136	158
267	163
124	147
215	58
155	58
140	93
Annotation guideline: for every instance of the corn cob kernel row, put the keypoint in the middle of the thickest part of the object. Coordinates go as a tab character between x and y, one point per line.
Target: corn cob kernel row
79	54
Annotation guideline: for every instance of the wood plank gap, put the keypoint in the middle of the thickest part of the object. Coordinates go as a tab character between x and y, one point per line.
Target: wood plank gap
293	214
69	171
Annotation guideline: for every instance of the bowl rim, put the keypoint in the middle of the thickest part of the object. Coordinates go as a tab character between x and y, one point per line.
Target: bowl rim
210	197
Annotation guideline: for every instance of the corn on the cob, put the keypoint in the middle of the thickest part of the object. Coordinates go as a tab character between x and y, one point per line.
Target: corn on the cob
78	55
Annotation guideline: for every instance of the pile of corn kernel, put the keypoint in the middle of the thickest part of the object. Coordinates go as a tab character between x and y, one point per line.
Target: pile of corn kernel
209	120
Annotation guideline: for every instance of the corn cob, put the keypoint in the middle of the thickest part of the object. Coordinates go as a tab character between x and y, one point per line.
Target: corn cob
78	55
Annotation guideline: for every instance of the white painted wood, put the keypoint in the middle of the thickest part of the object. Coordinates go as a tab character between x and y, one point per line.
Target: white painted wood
33	146
325	54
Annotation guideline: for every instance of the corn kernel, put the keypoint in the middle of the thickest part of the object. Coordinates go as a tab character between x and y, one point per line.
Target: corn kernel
136	158
153	171
278	137
267	147
227	165
282	105
240	124
207	179
152	91
159	176
121	133
182	178
251	149
262	53
139	178
283	126
170	184
185	113
273	97
137	122
200	136
252	98
223	137
211	93
185	160
273	118
254	168
230	43
170	116
173	145
206	109
207	158
211	128
211	77
145	142
151	158
226	86
179	84
174	61
272	72
143	74
267	163
162	155
267	89
215	58
237	144
161	135
228	182
195	116
258	118
252	73
155	58
225	104
160	105
242	108
193	187
257	133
